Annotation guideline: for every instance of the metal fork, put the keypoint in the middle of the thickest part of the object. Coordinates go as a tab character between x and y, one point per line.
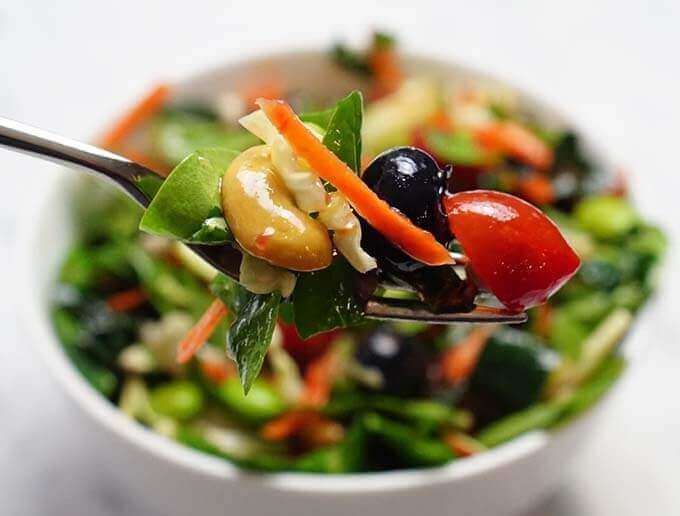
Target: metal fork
130	176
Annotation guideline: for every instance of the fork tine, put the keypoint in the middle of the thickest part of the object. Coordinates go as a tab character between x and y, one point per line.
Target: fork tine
408	310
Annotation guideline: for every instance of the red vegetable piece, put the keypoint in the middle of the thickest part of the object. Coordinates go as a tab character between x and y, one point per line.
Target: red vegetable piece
302	350
516	250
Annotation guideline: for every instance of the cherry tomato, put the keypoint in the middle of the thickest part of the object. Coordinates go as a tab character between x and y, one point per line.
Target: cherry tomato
305	350
513	247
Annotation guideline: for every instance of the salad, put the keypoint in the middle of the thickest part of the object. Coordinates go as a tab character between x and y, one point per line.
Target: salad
448	196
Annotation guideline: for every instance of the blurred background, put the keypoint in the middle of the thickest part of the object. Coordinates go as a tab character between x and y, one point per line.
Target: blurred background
69	65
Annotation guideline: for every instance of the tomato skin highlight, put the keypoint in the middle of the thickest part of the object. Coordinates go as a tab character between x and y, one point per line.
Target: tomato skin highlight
516	250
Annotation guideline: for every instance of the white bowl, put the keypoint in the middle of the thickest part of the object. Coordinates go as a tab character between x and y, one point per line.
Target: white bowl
178	480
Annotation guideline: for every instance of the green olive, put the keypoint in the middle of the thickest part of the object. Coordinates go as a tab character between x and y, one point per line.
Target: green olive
264	219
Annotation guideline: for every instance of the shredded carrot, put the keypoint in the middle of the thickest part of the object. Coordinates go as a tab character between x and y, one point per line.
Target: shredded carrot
201	332
462	445
319	379
126	300
386	71
459	362
140	113
286	425
516	141
536	188
414	241
217	371
620	186
544	319
272	89
440	120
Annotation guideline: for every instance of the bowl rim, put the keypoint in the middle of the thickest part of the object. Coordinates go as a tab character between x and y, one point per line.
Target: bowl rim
38	324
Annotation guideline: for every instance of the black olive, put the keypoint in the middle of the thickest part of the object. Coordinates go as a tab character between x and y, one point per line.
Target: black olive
411	181
401	360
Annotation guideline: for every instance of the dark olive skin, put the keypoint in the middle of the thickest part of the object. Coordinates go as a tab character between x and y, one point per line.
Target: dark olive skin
411	182
402	361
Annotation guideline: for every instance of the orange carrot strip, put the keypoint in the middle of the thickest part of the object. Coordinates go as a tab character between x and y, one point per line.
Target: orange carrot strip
319	379
462	445
140	113
458	362
217	372
537	188
386	71
516	141
286	425
201	332
544	319
414	241
126	300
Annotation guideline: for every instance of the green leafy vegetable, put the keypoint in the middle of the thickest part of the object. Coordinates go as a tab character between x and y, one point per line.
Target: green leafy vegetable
177	133
351	61
189	197
70	332
343	131
251	334
320	118
168	287
326	299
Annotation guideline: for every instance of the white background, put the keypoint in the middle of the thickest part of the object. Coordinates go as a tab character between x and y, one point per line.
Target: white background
69	65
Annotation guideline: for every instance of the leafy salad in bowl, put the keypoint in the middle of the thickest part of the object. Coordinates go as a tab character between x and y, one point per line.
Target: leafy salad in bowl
448	195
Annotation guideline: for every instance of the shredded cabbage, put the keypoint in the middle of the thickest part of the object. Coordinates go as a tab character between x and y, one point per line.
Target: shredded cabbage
260	277
339	217
285	372
303	183
310	195
389	121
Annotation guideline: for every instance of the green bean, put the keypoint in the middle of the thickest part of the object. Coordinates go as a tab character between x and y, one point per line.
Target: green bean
538	416
606	217
591	392
261	403
344	457
415	449
180	400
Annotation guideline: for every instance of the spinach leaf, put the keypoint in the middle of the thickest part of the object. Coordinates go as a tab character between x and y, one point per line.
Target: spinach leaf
168	287
320	118
326	299
188	197
230	292
250	335
343	131
177	133
351	61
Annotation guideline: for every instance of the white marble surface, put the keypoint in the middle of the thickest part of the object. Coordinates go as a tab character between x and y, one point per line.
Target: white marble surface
68	65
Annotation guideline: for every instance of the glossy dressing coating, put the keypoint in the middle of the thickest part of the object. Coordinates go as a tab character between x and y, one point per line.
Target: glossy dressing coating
264	218
513	247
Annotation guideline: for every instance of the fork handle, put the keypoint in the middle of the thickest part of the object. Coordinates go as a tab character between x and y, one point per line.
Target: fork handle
64	151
